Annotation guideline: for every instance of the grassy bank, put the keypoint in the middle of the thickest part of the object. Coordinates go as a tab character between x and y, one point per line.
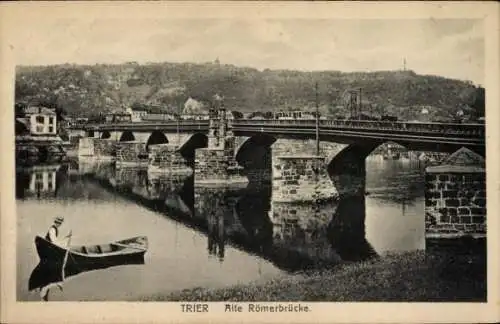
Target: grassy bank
411	276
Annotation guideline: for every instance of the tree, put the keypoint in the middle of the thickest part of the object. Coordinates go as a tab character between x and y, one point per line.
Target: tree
479	103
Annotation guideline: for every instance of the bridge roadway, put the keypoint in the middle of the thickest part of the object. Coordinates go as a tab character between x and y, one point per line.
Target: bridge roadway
346	131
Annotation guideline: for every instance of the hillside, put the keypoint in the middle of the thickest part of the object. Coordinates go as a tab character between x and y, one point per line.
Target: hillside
88	90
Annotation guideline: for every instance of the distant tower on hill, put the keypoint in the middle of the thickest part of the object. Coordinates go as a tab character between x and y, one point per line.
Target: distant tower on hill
404	64
217	61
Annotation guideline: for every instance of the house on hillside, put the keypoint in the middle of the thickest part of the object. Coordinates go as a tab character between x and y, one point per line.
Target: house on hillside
117	116
193	106
158	113
136	115
200	116
37	121
194	110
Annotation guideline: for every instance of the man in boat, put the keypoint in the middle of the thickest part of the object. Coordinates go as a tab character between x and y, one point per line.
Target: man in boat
53	233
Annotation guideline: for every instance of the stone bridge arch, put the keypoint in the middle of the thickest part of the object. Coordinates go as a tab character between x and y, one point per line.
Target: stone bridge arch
127	136
255	151
173	157
255	156
188	147
156	137
105	135
347	168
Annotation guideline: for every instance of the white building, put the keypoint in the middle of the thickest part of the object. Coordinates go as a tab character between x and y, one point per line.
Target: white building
136	115
41	120
193	107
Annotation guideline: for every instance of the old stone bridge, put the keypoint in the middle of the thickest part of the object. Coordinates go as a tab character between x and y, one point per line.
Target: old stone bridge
222	151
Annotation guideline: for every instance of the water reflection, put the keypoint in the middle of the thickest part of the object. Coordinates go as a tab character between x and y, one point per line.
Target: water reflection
39	181
347	232
47	276
395	180
292	235
288	236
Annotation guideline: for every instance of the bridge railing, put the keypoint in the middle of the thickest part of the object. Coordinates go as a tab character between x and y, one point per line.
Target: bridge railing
469	130
201	124
437	128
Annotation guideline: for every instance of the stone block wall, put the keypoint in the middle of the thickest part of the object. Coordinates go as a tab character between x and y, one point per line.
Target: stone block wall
259	175
301	178
218	165
104	148
166	158
288	147
86	146
455	201
131	152
296	183
455	204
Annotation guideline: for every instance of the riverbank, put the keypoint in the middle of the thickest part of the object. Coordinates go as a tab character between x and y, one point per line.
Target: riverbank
410	276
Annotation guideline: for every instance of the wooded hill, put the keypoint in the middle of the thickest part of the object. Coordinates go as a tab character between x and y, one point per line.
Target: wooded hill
84	90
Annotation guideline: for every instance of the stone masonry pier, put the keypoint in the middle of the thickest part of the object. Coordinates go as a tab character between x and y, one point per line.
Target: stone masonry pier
218	166
301	178
167	159
131	154
292	165
455	199
104	149
86	147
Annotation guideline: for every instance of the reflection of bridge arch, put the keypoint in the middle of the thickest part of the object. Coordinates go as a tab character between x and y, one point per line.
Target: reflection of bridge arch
127	136
156	137
105	135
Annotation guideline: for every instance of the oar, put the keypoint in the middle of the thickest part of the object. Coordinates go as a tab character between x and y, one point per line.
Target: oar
66	255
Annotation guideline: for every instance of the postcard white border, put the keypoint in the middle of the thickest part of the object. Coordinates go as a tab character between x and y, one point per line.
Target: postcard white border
127	312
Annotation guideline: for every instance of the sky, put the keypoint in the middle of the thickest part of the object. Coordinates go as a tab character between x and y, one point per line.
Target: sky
448	47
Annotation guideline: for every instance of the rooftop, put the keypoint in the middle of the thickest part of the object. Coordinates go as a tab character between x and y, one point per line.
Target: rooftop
463	160
39	110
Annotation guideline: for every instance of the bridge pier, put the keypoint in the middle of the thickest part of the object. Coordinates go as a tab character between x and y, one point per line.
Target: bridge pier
104	149
86	146
167	159
215	166
131	154
301	178
99	149
455	201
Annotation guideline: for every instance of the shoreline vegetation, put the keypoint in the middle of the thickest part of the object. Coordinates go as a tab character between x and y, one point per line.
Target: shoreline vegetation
405	276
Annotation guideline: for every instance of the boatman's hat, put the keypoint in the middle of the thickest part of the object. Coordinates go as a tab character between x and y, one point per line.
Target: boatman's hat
58	220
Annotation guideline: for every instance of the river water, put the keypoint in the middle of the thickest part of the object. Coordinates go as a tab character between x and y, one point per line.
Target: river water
201	237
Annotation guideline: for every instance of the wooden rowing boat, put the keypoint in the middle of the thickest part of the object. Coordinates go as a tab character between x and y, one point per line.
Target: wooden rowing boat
124	251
